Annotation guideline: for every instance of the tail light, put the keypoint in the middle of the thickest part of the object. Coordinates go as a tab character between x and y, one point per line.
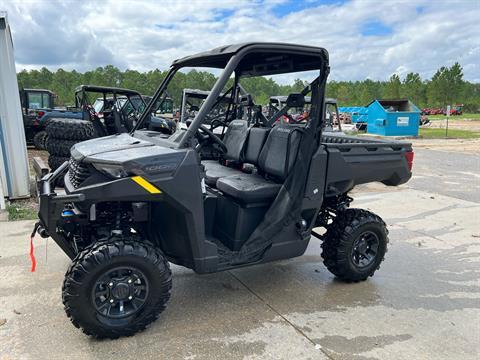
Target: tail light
409	158
40	114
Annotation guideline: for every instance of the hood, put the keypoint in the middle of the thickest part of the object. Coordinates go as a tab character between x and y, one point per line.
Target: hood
136	155
107	144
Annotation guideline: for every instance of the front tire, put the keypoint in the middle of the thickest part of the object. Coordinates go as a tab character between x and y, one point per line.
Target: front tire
116	287
355	244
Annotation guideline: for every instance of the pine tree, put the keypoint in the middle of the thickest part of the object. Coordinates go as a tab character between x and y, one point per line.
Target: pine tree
392	88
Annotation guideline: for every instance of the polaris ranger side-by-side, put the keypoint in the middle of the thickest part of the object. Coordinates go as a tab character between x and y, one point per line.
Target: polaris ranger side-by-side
136	201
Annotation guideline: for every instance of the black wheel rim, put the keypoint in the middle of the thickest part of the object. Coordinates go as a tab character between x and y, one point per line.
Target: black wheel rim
120	292
365	249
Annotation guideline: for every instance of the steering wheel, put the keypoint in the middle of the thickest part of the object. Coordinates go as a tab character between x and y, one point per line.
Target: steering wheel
210	135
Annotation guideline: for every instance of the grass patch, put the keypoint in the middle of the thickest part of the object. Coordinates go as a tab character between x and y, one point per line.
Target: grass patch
22	210
455	117
429	133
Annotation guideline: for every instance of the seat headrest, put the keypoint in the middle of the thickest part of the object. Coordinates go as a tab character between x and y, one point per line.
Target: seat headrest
235	139
256	139
280	151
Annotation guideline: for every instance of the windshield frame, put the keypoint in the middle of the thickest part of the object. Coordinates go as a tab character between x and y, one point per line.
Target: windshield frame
204	109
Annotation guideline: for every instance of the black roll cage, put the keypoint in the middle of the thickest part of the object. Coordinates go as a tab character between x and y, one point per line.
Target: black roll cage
199	94
81	99
230	57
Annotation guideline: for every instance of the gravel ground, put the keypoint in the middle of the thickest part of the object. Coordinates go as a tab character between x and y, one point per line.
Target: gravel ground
472	125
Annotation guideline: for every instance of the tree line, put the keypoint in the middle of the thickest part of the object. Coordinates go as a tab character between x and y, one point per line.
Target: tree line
446	86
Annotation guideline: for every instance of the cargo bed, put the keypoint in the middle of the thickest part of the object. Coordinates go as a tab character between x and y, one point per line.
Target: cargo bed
356	160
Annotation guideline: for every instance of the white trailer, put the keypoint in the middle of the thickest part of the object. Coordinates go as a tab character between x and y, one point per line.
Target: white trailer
14	171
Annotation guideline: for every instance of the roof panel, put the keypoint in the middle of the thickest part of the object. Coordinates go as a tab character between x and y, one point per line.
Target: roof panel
106	90
267	58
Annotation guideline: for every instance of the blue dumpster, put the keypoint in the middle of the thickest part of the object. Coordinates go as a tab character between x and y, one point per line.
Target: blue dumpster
393	118
359	113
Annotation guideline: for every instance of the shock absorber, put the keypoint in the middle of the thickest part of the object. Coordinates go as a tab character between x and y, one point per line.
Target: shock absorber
118	221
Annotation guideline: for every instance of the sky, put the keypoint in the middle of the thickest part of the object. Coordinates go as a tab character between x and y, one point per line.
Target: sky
365	38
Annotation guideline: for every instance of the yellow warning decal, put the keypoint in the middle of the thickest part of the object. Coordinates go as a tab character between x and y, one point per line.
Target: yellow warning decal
152	189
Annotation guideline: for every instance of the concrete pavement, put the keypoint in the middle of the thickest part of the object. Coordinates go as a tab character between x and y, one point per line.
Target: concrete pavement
423	303
449	173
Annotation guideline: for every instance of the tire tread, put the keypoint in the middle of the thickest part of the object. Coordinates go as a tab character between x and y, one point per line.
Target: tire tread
70	129
97	254
337	239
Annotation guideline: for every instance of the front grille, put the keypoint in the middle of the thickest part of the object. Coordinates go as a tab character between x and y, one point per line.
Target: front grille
78	172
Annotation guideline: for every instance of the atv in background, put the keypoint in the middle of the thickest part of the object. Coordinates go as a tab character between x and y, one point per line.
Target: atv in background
35	103
115	111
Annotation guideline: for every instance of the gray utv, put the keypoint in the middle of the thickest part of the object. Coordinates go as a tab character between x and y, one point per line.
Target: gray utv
136	201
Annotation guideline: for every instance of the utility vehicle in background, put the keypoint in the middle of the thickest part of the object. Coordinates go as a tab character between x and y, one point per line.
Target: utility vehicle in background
100	111
301	114
109	110
165	110
35	103
136	201
193	99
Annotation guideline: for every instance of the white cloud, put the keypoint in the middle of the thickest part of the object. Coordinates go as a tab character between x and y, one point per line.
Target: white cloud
144	35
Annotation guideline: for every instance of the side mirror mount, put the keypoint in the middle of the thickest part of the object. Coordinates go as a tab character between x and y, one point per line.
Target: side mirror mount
295	100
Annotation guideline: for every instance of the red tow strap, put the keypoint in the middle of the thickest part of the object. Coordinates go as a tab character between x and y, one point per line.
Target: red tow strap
32	247
32	255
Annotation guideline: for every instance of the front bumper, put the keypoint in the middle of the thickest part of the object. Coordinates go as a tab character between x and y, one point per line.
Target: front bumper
51	206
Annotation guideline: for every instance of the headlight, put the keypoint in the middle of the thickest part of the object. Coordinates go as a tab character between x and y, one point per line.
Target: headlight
114	171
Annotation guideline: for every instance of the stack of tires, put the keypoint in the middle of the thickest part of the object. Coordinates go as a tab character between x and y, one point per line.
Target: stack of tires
62	134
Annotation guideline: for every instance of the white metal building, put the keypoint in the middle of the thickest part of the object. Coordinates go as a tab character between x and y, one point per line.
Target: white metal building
14	172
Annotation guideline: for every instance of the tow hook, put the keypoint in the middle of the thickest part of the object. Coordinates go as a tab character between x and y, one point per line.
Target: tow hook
43	232
40	230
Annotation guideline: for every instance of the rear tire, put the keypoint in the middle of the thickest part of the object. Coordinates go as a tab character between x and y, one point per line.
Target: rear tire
39	140
116	287
355	244
70	129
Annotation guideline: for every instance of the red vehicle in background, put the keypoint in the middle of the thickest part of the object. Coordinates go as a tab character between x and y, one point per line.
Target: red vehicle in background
455	110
